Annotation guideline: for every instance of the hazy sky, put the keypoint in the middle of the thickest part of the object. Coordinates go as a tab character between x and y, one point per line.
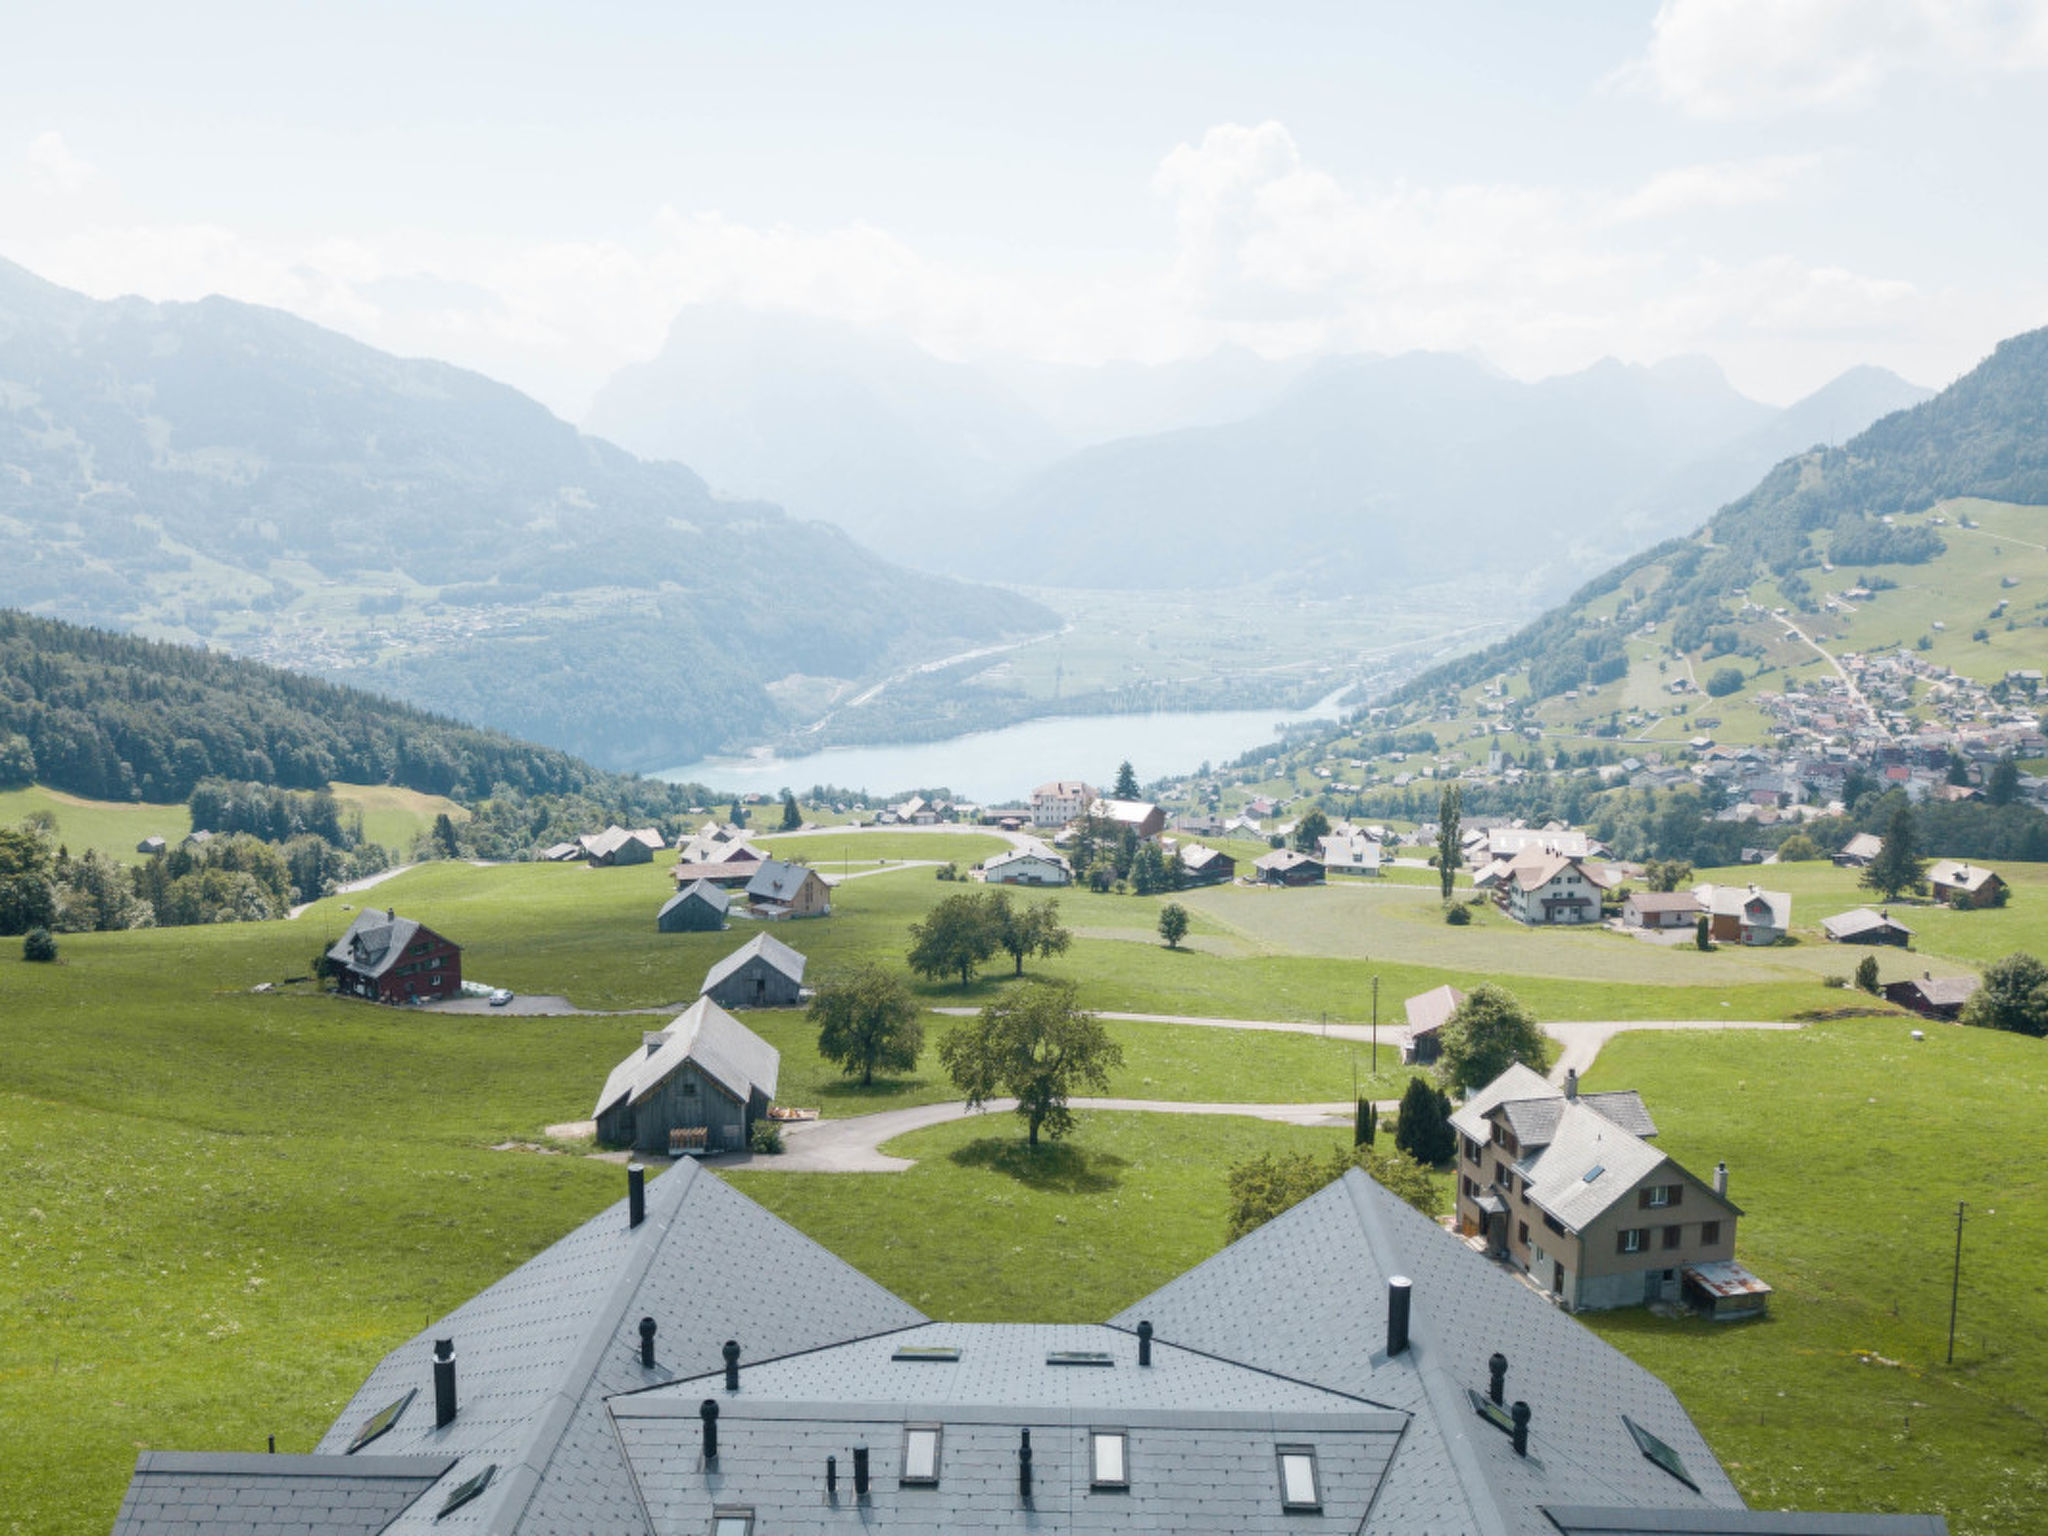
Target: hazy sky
1790	186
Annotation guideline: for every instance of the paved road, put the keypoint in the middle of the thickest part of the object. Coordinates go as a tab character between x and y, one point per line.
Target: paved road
1582	1038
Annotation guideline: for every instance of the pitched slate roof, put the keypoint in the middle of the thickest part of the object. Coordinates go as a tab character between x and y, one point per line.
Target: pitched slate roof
1518	1082
374	942
1864	845
1665	901
1431	1010
1587	1165
775	880
723	1048
711	895
176	1493
1847	925
1454	1473
537	1353
768	948
1963	876
1284	859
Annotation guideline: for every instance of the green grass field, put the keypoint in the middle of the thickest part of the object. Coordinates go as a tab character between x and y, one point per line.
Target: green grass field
394	816
112	826
1849	1145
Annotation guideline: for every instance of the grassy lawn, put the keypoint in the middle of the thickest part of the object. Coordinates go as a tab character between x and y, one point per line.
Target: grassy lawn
1849	1146
863	847
112	826
394	816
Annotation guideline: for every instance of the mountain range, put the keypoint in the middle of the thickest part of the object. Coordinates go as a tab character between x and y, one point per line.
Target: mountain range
1340	473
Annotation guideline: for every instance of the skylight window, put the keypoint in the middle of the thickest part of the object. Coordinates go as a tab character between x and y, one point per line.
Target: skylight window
1594	1172
1079	1357
1660	1453
380	1421
921	1453
732	1522
1492	1412
1108	1465
945	1354
1298	1486
469	1490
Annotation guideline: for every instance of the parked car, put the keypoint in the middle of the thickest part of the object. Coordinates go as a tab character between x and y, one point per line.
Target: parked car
500	997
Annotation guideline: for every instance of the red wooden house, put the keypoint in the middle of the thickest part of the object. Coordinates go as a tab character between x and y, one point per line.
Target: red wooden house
391	959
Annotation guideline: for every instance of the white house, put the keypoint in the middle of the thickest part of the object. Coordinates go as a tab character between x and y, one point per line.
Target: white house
1034	864
1059	801
1745	914
1550	889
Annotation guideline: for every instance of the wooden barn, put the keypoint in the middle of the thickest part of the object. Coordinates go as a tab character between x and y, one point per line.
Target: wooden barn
778	889
1957	884
764	972
615	845
1207	866
391	959
696	908
1284	866
1864	926
697	1086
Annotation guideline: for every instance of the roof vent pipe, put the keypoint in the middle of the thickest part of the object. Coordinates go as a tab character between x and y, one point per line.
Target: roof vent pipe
1024	1467
647	1342
636	1194
860	1471
444	1383
1520	1414
1721	1180
732	1365
1144	1343
1571	1083
1497	1377
708	1412
1399	1289
831	1477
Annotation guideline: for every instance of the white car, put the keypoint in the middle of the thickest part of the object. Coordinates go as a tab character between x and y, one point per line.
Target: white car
500	997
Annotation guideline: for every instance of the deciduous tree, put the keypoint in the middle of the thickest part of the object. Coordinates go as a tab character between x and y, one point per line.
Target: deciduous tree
1485	1035
1450	847
866	1019
1037	1047
956	938
1032	929
1311	830
2014	997
1173	924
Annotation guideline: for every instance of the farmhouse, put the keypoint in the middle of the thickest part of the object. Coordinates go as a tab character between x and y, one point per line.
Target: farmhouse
1056	803
719	850
697	908
1207	866
728	873
1744	914
391	959
1659	910
1931	996
1034	864
1350	853
615	845
1141	816
1284	866
1567	1187
764	972
1965	885
1859	850
1864	926
640	1377
777	889
1542	888
1421	1037
697	1086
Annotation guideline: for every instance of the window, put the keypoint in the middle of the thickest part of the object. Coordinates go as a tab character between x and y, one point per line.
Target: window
1522	1233
1108	1466
1471	1150
1298	1488
728	1521
1554	1224
469	1490
1657	1195
1630	1239
1672	1236
1079	1357
1710	1232
1656	1450
945	1354
921	1453
380	1421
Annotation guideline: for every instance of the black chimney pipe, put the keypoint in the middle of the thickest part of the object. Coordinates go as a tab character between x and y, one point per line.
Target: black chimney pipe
444	1383
1144	1343
831	1477
860	1471
708	1412
1399	1288
636	1194
732	1365
1497	1372
1520	1414
647	1342
1024	1467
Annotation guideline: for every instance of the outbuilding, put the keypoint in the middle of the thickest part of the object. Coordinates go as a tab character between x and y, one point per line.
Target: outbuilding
764	972
697	1086
1285	866
697	908
1966	885
1864	926
777	889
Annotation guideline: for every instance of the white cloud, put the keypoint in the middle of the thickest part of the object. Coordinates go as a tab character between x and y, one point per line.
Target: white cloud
52	167
1725	184
1729	58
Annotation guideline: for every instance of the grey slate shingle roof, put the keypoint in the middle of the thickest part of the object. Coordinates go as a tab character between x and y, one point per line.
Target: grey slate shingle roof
715	897
178	1493
771	949
374	942
723	1048
775	880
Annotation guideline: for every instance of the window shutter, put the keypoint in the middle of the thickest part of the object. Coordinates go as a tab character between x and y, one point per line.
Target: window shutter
1677	1194
1621	1241
1642	1199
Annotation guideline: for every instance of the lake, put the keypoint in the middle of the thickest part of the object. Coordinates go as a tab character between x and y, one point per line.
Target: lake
994	766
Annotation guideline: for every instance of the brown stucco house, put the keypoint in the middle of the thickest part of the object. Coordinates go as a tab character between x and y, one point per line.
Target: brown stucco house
1568	1188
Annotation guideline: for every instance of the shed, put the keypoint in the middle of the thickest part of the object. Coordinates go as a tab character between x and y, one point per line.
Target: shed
1864	926
1284	866
1860	850
150	844
779	889
1207	866
697	908
1966	885
698	1086
1723	1289
1427	1013
615	845
764	972
1934	997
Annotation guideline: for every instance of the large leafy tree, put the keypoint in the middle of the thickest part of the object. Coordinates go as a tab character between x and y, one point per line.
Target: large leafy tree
1450	847
1034	1046
1173	924
2014	997
1262	1187
1899	866
1310	830
956	938
1485	1035
27	865
866	1019
1023	931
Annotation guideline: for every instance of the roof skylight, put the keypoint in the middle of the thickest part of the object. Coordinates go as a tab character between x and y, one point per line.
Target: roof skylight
943	1353
1594	1172
1660	1453
1298	1488
469	1490
1079	1357
380	1421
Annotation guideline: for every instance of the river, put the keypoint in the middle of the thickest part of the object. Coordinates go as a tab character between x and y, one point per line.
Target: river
994	766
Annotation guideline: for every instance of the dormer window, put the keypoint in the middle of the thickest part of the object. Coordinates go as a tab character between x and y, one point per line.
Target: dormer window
1299	1486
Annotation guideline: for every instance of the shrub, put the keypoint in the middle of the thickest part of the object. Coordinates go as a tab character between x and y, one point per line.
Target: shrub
1724	681
1839	982
1457	914
40	945
1866	974
1703	935
947	872
767	1137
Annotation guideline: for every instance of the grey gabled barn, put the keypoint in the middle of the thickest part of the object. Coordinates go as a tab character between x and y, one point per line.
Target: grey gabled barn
697	908
707	1075
764	972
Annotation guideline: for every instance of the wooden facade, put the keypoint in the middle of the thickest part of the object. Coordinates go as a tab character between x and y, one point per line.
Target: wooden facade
385	958
696	908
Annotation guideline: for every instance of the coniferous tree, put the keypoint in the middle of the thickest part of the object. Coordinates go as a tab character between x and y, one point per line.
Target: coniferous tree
1898	867
1126	782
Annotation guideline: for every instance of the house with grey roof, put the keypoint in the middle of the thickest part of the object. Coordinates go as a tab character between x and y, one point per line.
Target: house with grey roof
386	958
629	1381
1864	926
764	972
1932	996
1425	1015
1567	1187
699	907
1859	850
1288	866
697	1086
1744	914
616	845
1962	884
780	889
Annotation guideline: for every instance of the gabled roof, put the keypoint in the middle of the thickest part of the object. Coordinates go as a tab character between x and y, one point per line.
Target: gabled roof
711	895
537	1353
1846	925
1285	859
1196	856
723	1048
231	1494
775	880
1033	850
1518	1082
765	947
1589	1164
1665	901
1965	877
1864	845
1738	901
374	942
1431	1010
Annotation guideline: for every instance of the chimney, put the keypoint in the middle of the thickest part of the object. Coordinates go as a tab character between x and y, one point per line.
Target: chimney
1399	1288
708	1412
832	1477
391	913
1024	1467
732	1365
860	1471
1497	1376
444	1383
1144	1343
1571	1083
636	1194
1721	1180
1520	1414
647	1342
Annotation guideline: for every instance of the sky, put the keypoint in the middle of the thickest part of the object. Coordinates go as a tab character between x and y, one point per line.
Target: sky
1790	187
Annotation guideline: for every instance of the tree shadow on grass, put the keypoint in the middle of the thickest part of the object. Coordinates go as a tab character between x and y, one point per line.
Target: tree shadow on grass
1057	1167
880	1088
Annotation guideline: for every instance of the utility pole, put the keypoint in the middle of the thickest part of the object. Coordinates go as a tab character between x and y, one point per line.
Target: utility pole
1955	1285
1375	1026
